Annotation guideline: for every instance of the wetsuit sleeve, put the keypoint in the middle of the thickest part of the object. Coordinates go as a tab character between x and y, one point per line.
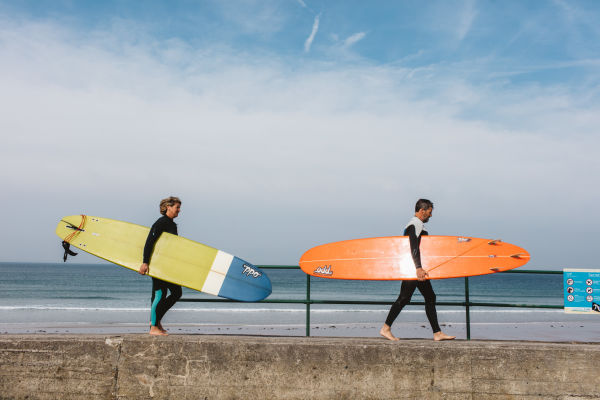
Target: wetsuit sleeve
414	245
155	232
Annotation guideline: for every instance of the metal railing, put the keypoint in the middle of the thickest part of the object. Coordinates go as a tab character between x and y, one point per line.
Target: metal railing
307	301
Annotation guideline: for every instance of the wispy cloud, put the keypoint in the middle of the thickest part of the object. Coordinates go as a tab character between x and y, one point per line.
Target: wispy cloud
254	17
466	19
313	33
354	38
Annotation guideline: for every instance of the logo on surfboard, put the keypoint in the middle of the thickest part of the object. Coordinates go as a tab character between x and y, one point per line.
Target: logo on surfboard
324	270
249	271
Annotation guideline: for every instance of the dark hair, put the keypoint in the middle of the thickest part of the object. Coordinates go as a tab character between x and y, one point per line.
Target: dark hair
423	204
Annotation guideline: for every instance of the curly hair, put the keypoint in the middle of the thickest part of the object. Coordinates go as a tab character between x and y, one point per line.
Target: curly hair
168	202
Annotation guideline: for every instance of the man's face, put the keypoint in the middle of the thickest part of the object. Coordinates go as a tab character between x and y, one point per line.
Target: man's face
424	215
173	211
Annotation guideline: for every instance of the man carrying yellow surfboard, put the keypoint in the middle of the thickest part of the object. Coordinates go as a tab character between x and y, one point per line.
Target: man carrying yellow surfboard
161	303
414	230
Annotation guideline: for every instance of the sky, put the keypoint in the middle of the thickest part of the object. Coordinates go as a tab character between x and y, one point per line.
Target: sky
285	124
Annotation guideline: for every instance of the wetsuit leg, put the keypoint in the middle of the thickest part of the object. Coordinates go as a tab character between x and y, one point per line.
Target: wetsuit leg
153	289
406	291
159	293
168	301
429	295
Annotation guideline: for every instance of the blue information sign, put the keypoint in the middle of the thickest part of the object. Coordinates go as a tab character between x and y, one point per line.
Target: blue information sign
582	290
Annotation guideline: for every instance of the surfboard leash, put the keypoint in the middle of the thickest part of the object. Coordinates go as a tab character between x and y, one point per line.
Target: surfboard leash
76	229
68	251
67	240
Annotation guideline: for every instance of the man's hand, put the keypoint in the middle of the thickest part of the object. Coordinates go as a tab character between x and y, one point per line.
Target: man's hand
422	275
143	269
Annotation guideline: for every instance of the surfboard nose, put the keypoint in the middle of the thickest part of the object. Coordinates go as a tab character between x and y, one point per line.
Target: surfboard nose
245	282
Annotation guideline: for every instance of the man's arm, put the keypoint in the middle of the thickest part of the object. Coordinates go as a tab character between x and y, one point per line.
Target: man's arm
153	236
415	251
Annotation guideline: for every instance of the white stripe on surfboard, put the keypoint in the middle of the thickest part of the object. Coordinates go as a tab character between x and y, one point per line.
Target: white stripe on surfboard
213	283
216	275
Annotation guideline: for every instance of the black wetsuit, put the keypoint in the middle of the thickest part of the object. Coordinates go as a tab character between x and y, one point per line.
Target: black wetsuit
161	303
408	287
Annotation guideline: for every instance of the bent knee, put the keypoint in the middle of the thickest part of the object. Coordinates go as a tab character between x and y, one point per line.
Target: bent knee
430	299
402	301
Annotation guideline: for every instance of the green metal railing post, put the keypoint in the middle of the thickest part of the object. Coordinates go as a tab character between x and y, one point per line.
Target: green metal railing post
307	305
467	308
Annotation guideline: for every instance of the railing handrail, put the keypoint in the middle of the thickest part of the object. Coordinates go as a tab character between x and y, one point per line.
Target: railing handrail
467	304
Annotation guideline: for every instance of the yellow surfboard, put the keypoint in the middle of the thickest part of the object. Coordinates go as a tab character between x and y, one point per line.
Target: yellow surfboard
175	259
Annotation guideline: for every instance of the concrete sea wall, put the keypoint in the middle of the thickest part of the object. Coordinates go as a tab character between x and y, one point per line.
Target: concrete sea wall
244	367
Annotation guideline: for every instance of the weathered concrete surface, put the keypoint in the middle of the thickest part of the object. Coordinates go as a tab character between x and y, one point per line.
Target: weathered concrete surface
243	367
67	367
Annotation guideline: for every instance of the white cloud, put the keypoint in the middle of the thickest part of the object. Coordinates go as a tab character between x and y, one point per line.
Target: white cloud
271	159
452	21
465	20
354	38
313	33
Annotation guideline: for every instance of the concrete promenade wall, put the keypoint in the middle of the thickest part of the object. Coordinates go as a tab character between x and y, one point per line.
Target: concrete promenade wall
245	367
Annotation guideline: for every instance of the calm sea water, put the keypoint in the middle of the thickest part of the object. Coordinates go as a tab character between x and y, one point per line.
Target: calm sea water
106	293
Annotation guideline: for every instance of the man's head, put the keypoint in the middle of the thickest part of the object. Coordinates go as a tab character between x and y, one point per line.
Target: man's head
170	206
423	209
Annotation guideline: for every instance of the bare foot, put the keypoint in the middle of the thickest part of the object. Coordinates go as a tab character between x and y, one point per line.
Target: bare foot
159	326
386	332
438	336
155	330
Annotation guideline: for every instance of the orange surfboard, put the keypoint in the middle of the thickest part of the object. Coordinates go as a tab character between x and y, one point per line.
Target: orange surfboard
389	258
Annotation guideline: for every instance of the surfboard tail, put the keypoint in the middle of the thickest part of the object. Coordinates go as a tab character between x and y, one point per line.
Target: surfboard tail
245	282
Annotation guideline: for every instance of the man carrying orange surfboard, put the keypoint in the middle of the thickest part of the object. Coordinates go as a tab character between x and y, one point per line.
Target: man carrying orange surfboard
414	230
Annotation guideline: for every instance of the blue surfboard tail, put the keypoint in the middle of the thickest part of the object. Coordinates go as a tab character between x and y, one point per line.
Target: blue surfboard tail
245	282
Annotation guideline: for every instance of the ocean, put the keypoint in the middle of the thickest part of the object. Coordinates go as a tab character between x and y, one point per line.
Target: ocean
105	298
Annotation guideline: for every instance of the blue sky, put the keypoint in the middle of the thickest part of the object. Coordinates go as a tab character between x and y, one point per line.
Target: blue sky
287	124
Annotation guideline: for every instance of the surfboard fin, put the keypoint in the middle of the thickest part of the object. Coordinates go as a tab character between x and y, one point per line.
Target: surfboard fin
518	255
495	241
68	251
